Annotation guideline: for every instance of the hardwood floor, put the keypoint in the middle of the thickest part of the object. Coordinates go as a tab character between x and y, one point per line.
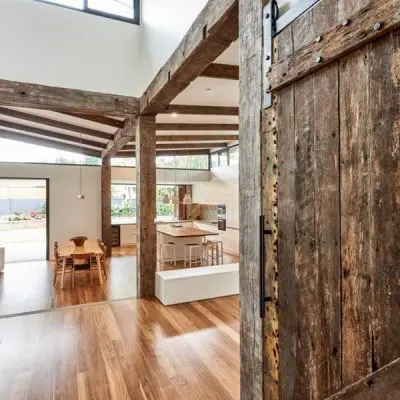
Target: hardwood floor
27	287
131	349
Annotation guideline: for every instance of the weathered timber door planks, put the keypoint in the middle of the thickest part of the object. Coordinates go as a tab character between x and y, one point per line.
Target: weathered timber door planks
337	272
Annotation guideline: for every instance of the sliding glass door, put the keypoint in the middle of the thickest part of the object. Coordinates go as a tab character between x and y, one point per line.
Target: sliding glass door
24	219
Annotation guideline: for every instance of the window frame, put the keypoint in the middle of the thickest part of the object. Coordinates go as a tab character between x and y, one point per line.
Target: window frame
172	185
220	152
86	9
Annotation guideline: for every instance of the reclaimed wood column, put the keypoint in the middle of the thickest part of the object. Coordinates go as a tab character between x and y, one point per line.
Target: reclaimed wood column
251	325
146	237
106	230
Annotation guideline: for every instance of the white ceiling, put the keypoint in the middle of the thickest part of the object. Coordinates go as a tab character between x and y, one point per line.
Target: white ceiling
230	55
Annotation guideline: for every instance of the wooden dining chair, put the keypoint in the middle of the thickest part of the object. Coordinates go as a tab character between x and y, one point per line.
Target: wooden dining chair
103	264
58	264
83	262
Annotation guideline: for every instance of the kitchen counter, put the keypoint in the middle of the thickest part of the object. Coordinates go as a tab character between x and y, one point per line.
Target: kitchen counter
184	231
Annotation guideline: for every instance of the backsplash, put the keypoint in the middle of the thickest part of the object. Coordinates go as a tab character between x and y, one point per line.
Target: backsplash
202	212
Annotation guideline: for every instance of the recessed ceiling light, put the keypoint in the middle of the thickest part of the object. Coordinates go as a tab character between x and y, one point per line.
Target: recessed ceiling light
174	115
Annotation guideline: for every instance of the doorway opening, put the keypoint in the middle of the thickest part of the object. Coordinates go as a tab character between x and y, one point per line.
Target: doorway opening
24	219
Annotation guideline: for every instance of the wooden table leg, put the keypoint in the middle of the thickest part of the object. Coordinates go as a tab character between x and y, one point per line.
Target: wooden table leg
99	268
64	263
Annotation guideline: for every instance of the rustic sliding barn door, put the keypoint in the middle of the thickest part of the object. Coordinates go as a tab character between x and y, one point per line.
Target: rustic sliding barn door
330	194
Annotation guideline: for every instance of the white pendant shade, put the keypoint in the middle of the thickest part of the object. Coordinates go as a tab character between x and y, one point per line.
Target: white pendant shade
187	199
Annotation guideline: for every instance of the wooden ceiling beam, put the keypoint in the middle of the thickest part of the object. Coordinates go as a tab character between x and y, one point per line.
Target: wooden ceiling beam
22	94
131	154
210	35
54	123
193	146
194	138
196	127
200	110
49	134
20	137
221	71
121	138
100	119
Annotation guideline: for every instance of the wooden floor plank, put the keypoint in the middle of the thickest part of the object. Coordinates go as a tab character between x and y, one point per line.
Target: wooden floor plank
133	349
27	287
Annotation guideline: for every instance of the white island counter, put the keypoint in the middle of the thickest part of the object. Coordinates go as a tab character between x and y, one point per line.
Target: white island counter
181	235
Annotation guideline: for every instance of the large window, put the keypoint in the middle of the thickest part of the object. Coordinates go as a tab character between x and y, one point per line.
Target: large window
12	151
225	157
183	162
179	162
123	10
123	201
123	162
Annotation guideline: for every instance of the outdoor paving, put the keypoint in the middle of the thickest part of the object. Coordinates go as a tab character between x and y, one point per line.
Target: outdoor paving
23	244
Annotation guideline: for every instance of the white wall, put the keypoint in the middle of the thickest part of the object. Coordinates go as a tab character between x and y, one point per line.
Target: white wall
69	216
223	188
46	44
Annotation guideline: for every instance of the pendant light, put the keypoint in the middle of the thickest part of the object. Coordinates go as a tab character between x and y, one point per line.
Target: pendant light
187	199
81	196
166	197
175	198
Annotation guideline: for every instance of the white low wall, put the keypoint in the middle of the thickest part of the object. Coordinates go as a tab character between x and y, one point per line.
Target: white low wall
193	284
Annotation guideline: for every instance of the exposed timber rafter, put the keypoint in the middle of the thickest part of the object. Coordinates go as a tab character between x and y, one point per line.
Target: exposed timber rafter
121	138
190	146
210	35
195	138
100	119
196	127
200	110
54	123
20	137
22	94
49	134
221	71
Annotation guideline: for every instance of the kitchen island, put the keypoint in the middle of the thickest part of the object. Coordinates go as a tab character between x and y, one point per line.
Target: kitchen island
181	235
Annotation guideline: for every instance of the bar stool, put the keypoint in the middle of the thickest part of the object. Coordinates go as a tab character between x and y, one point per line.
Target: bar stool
214	250
210	253
195	252
171	248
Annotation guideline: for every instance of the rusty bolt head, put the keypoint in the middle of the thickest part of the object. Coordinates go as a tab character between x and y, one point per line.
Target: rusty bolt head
377	26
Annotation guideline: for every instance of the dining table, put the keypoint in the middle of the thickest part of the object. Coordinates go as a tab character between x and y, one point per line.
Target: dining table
67	249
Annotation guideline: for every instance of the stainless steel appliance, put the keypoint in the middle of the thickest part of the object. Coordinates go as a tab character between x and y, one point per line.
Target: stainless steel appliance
221	217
